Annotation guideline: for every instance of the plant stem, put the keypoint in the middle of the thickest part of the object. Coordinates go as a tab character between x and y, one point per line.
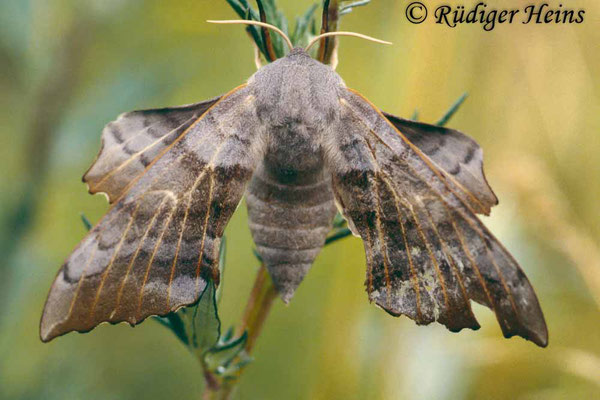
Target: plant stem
257	309
329	23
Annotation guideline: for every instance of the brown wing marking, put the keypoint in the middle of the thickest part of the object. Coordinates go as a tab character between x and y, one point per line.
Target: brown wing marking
157	247
81	279
470	256
397	200
151	261
183	135
112	261
457	230
206	221
135	255
428	255
464	305
386	261
183	224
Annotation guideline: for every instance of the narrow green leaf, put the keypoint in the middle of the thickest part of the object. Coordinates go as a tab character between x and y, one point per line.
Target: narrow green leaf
453	109
238	7
337	235
178	327
86	222
175	323
313	27
220	356
228	335
348	8
282	23
415	116
255	252
231	370
244	11
301	31
306	25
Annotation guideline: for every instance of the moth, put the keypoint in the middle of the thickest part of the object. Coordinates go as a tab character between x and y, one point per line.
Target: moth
300	145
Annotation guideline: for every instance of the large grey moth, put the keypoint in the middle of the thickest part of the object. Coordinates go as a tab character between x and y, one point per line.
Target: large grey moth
299	145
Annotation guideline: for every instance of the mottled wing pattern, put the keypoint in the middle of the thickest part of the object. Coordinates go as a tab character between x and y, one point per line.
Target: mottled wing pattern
453	153
427	253
133	141
157	247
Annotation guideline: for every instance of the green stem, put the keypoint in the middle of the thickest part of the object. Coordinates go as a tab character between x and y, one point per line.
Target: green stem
257	309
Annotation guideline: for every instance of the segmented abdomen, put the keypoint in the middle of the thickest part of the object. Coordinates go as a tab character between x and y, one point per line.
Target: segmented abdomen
289	218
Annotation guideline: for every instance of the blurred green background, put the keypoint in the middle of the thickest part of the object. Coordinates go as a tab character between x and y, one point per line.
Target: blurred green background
70	66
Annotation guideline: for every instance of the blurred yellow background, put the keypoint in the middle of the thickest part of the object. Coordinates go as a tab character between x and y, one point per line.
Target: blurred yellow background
69	67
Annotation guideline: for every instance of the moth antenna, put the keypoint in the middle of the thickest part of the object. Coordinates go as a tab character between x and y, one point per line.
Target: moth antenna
358	35
257	23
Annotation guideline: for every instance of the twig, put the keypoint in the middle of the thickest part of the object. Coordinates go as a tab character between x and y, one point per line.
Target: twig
257	309
266	35
329	23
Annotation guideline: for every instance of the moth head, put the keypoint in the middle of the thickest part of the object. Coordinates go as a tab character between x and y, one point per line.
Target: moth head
297	50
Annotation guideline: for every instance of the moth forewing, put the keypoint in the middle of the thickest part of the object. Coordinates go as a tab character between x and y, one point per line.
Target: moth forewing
157	247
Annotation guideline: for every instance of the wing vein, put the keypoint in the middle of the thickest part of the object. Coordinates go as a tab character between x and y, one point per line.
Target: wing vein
382	243
121	146
83	271
414	276
136	155
448	256
204	229
112	261
483	240
149	265
177	249
137	251
430	252
460	237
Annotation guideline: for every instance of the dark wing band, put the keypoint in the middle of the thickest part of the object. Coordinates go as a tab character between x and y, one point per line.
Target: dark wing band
157	247
427	253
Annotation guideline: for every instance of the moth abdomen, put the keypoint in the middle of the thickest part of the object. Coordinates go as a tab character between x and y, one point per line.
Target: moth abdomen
289	222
